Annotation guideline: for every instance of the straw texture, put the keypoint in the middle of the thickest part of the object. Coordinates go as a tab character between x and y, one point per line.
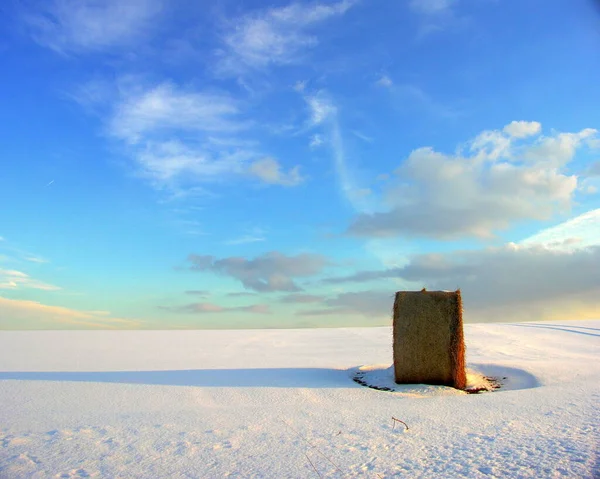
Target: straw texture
429	346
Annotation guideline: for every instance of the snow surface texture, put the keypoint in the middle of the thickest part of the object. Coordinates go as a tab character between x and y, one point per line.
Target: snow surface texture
283	404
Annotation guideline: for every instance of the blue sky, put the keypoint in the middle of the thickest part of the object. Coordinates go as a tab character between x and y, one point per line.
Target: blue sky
227	164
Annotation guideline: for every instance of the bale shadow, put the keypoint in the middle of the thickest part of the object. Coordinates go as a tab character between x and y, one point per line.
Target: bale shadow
218	378
375	378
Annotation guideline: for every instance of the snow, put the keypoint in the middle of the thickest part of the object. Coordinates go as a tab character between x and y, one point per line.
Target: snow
283	404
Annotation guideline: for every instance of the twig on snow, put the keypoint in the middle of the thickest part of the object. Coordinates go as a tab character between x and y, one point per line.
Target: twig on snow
398	420
312	445
318	450
313	466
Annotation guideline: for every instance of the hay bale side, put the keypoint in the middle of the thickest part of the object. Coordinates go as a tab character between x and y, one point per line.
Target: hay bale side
429	345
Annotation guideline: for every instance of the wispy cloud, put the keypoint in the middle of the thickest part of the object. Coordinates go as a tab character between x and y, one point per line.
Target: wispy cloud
362	136
316	141
174	163
489	187
35	259
166	108
275	36
196	292
269	171
431	7
240	294
245	240
269	272
298	298
435	15
384	81
324	115
251	235
20	254
211	308
68	26
177	136
409	97
181	138
12	279
21	314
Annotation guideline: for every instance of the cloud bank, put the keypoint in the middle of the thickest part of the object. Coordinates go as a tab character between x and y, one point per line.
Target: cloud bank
499	179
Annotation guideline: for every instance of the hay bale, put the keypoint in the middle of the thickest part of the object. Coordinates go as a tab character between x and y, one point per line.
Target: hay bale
429	346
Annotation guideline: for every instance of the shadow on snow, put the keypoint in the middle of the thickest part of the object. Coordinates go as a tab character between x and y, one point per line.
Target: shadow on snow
249	378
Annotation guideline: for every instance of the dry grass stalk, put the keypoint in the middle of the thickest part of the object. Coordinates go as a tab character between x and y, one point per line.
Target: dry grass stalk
318	451
313	466
398	420
313	446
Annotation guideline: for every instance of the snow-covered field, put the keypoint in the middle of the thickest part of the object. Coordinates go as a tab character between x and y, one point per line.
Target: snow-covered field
282	404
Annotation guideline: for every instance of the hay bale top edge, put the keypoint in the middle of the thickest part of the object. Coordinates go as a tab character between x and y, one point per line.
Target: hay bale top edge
429	292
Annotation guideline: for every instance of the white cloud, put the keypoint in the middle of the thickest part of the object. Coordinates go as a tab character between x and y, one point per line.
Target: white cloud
35	259
384	81
276	36
167	108
21	314
558	150
300	86
252	235
12	279
491	187
436	16
321	108
245	240
172	162
522	129
179	137
362	136
270	172
91	25
316	141
490	145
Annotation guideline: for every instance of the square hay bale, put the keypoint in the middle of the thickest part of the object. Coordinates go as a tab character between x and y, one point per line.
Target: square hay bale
429	346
